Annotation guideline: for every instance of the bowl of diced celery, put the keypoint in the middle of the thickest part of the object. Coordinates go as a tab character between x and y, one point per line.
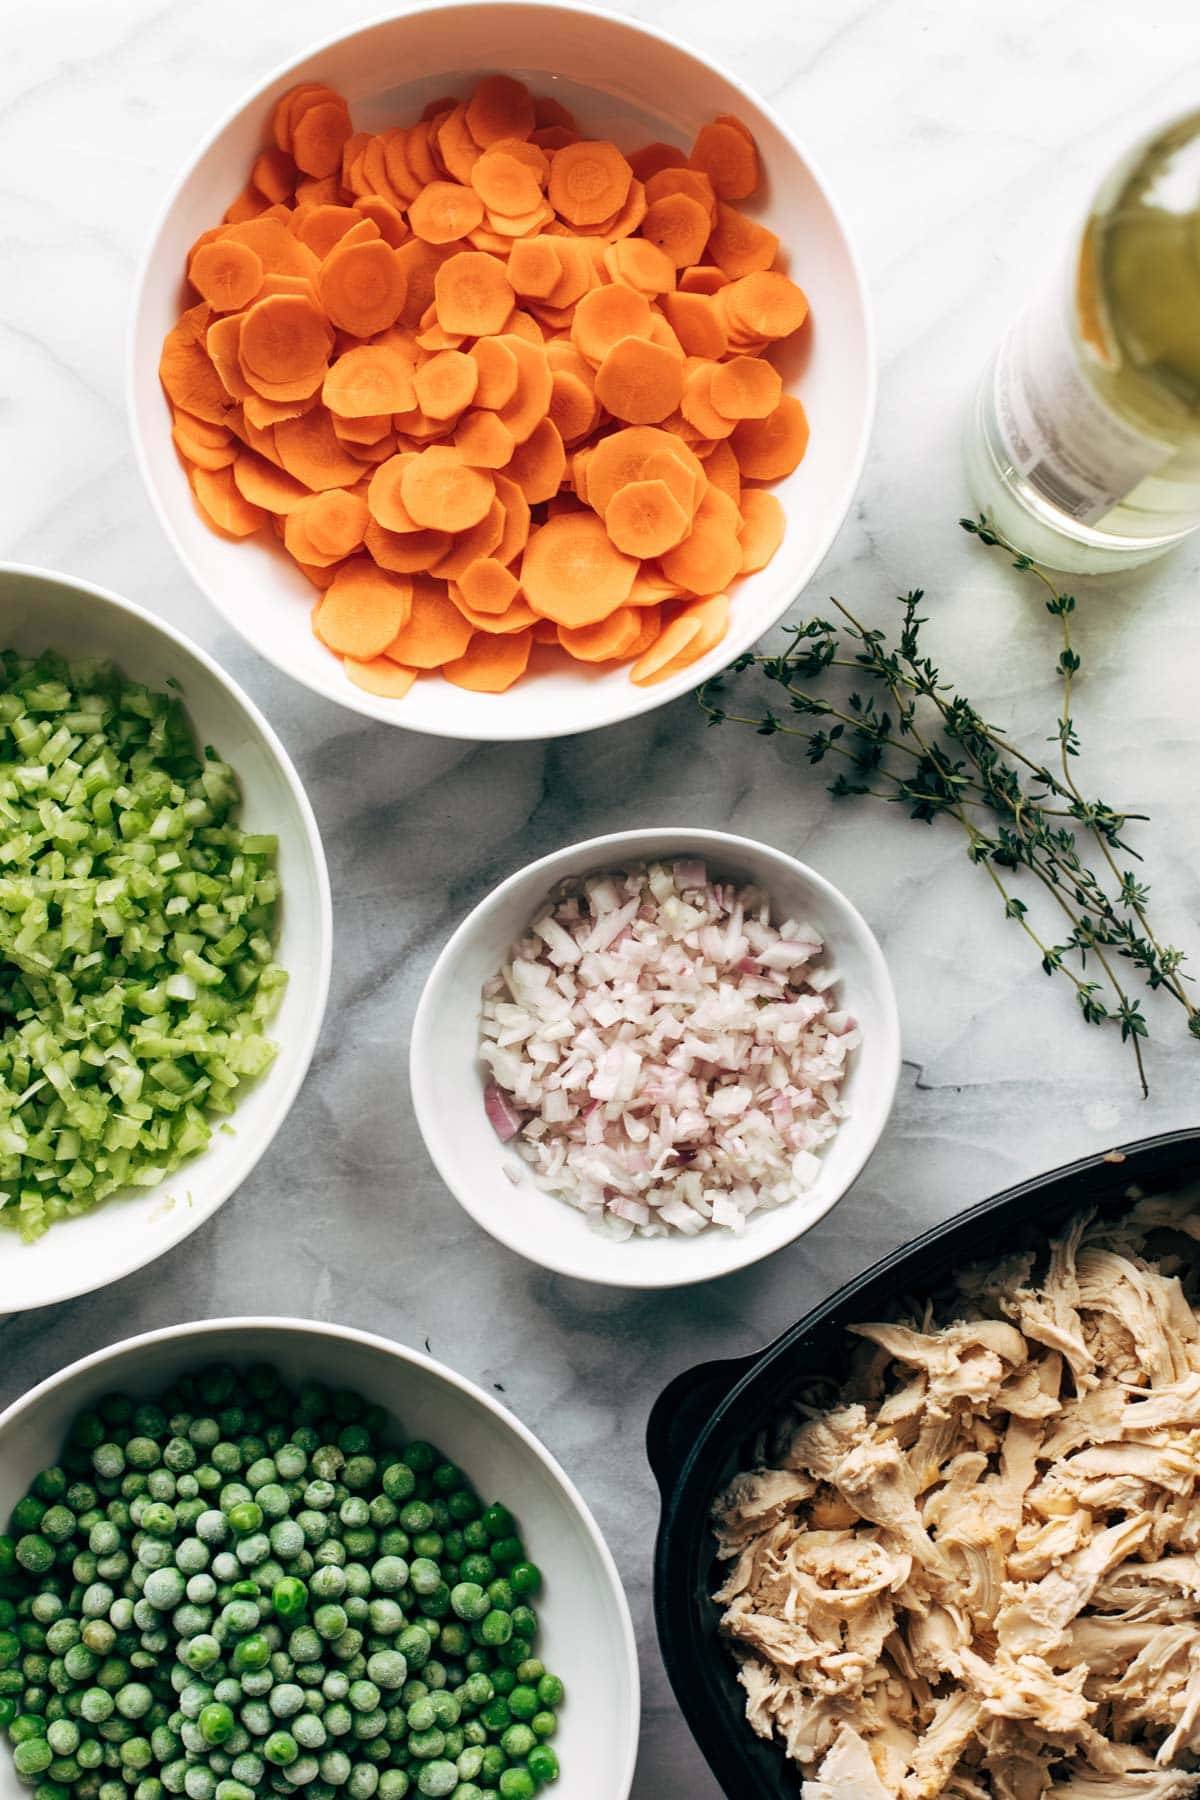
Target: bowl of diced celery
165	936
256	1557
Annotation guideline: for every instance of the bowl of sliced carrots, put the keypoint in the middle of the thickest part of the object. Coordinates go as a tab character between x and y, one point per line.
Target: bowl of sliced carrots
501	371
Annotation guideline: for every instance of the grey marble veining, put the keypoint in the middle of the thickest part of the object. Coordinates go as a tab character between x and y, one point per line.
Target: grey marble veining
962	141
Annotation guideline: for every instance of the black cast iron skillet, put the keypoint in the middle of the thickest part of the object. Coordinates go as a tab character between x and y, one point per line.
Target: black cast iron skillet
701	1423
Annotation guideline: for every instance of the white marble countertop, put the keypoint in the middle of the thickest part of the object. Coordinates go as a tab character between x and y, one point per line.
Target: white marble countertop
963	140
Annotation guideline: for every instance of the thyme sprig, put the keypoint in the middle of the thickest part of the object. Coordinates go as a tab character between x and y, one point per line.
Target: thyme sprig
906	736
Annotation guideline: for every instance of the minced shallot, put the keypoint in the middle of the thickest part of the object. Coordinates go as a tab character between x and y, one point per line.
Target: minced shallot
662	1055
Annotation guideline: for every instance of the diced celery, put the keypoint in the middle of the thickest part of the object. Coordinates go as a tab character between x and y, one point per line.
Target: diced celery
122	1035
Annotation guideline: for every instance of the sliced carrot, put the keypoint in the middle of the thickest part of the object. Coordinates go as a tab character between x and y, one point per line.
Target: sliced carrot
198	452
745	387
318	137
571	571
487	586
497	367
443	212
456	148
274	175
620	458
385	493
226	274
363	609
443	493
500	108
419	263
588	181
534	267
515	617
279	252
434	633
698	629
223	504
386	216
726	154
473	294
531	400
262	484
692	182
740	246
505	184
769	448
539	464
640	383
641	265
446	384
335	521
373	378
572	406
766	303
605	641
284	339
362	287
410	338
645	519
652	157
763	523
679	226
491	664
483	440
405	553
697	324
310	450
467	547
516	519
380	676
651	618
186	369
605	316
707	560
721	468
324	226
702	278
697	405
281	121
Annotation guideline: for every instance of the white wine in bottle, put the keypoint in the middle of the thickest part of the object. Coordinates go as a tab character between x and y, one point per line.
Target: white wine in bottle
1084	447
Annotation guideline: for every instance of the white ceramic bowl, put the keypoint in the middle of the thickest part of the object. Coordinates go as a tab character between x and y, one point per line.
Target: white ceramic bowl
40	610
628	81
447	1077
586	1635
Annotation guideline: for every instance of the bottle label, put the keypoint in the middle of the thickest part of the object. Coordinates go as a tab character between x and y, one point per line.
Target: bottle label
1058	432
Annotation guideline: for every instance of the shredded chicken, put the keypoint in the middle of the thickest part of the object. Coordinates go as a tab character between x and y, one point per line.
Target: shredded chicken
977	1574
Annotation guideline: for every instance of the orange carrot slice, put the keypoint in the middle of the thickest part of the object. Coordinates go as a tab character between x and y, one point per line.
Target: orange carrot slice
769	448
726	154
588	182
763	524
645	519
473	294
491	663
224	505
435	631
443	493
605	641
571	571
363	609
362	287
380	676
640	382
226	274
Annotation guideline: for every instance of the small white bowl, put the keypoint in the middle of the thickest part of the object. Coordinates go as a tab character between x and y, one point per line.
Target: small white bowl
586	1635
448	1079
631	82
40	610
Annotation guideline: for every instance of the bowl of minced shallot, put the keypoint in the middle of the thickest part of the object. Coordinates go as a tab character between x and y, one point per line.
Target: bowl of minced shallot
655	1057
